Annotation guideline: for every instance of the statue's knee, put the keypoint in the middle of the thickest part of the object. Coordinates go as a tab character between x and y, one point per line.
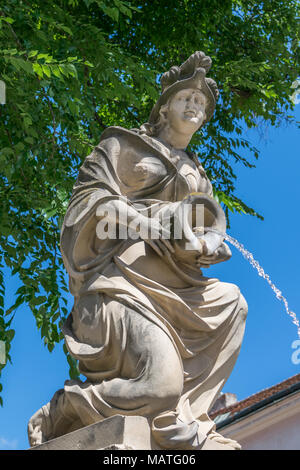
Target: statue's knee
243	306
165	393
233	294
232	290
163	401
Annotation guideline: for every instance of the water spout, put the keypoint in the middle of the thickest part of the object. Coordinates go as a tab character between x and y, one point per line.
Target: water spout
260	272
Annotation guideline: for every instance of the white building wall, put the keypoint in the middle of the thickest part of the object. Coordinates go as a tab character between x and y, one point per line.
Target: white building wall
275	427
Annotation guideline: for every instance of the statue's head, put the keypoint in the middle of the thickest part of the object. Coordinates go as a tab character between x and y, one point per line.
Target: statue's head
182	85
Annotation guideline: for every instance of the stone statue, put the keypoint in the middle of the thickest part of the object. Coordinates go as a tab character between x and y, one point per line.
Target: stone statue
152	335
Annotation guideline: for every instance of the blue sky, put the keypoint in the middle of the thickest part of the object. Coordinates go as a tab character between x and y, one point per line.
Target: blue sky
272	188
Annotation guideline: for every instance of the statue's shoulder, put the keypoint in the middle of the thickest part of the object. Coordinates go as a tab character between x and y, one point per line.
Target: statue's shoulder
130	137
119	134
120	141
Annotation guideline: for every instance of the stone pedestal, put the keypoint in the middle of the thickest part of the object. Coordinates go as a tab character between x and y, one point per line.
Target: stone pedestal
117	432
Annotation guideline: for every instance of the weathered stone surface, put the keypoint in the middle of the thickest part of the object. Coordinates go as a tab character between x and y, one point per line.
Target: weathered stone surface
116	433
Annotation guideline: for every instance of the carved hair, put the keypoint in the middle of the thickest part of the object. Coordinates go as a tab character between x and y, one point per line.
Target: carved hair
154	129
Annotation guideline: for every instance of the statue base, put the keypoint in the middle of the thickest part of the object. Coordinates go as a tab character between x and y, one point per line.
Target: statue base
116	433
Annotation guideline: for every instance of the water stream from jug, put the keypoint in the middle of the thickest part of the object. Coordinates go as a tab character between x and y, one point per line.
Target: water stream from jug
255	264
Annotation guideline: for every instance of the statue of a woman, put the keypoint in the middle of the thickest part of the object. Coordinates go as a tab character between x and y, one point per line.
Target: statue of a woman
152	335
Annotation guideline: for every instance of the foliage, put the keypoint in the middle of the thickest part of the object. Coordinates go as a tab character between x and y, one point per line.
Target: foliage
74	67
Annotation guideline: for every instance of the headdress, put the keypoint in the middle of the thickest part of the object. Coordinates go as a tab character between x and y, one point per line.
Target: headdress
191	74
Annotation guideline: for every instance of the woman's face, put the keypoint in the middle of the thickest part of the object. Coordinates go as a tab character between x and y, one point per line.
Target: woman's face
186	111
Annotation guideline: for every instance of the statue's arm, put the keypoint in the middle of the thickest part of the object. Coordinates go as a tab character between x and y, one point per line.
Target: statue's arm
135	223
223	252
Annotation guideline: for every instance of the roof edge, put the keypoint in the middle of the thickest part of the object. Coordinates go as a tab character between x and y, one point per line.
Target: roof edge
257	406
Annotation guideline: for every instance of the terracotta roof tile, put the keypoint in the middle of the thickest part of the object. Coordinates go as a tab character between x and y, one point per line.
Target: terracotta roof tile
257	397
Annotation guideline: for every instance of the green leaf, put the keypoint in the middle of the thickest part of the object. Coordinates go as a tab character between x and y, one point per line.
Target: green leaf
7	19
46	69
71	70
37	68
65	28
40	300
10	335
55	70
111	12
32	54
44	330
16	63
26	66
63	69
